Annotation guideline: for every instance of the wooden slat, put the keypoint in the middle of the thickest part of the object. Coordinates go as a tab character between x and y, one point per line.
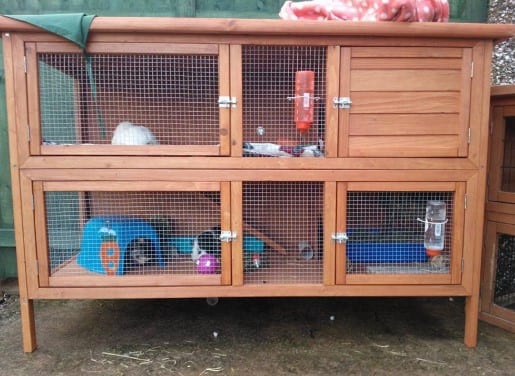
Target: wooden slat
404	279
509	110
457	236
225	224
40	225
411	52
170	25
405	80
405	186
242	175
332	90
403	124
85	150
502	90
129	280
480	96
26	303
464	114
329	215
224	114
341	226
236	90
496	155
215	163
21	106
33	98
237	225
405	146
405	63
489	262
287	290
503	318
131	48
343	114
134	186
404	102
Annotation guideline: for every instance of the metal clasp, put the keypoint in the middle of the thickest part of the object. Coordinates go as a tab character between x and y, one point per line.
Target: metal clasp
340	237
226	102
227	236
341	102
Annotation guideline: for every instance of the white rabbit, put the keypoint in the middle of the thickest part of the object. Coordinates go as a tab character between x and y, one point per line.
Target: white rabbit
127	133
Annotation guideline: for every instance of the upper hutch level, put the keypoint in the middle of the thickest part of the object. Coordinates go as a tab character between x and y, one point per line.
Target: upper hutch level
227	88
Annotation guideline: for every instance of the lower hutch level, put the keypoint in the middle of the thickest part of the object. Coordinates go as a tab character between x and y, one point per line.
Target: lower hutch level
189	158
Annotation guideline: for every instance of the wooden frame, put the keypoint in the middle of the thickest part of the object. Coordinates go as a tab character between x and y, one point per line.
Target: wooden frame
500	208
368	147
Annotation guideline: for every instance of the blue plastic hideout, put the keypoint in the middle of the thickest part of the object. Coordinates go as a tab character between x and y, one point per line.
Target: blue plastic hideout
124	230
385	252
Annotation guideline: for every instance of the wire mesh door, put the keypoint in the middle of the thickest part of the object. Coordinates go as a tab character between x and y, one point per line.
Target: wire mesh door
131	99
504	285
398	232
508	161
498	274
283	101
134	234
283	230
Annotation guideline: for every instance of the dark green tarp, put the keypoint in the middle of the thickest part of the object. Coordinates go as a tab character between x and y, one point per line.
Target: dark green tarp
72	26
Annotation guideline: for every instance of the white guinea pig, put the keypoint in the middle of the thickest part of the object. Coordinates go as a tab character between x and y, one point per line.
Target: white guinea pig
127	133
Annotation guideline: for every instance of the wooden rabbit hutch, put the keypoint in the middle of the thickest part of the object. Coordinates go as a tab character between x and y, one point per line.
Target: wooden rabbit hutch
498	276
248	158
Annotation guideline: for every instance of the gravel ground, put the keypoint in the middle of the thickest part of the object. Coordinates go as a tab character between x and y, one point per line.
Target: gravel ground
336	336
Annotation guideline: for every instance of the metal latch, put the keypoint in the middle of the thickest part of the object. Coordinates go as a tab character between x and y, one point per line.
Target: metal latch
341	102
227	236
340	237
226	102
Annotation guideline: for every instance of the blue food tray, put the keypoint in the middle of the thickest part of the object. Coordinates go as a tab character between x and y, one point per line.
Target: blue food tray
386	252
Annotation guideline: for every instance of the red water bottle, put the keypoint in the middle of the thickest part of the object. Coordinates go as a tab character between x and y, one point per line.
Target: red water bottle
304	99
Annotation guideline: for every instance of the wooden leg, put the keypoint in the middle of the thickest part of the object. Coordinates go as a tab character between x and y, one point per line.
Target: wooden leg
28	324
471	320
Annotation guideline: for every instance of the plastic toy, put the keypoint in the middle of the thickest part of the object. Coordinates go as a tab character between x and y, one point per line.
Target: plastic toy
123	233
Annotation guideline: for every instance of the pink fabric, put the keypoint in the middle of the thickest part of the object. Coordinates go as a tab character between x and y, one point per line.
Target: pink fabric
367	10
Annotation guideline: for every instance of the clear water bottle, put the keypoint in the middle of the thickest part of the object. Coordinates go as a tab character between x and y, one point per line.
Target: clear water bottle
434	234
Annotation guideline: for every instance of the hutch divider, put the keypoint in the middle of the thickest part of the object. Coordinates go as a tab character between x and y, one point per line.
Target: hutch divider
174	159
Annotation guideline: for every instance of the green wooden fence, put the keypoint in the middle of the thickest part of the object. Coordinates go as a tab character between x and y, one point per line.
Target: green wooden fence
461	10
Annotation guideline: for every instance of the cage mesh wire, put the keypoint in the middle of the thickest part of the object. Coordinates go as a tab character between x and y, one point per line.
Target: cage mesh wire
154	232
385	236
268	109
504	294
508	164
175	97
287	218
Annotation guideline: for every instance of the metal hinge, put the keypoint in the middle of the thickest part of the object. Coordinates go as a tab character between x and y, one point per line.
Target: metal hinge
471	69
465	200
469	135
25	64
340	237
33	203
341	102
462	266
227	236
226	102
